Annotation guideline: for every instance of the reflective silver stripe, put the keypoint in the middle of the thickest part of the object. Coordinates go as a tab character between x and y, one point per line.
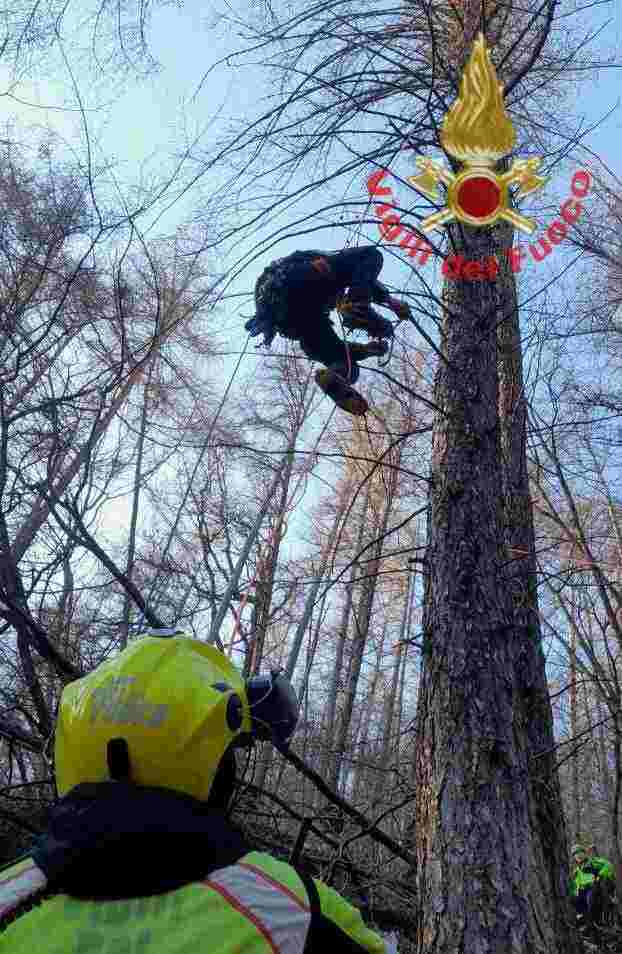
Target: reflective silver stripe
19	883
277	913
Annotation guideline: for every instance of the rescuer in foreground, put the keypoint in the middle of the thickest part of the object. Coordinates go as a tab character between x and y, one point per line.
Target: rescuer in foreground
139	855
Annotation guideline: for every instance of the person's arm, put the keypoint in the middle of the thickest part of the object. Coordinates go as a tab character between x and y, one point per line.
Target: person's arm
603	868
573	887
337	926
350	265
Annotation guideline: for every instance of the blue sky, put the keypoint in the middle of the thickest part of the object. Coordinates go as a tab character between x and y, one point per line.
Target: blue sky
146	125
187	41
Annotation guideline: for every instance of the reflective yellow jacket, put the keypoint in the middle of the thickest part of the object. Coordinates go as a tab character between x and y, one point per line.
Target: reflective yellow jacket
255	905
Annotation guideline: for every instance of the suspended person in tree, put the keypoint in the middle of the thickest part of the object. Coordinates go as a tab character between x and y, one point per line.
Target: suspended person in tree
294	297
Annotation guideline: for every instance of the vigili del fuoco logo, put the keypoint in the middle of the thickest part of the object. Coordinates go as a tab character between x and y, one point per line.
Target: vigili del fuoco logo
478	132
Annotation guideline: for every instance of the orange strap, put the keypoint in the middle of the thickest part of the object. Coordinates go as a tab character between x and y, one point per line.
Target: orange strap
321	265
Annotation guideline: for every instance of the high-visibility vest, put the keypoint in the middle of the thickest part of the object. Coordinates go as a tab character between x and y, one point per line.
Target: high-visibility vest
586	874
259	905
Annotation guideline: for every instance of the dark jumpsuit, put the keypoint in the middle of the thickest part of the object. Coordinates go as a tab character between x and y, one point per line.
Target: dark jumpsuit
294	298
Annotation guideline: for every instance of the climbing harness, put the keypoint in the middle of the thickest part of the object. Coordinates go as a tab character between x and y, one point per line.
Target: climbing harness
340	306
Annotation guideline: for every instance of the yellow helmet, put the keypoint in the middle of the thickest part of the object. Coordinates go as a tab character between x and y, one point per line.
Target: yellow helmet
178	704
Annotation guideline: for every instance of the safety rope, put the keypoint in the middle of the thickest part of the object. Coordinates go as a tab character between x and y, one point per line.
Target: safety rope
383	364
340	305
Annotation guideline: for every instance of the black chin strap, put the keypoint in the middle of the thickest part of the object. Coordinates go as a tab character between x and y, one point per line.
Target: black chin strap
118	758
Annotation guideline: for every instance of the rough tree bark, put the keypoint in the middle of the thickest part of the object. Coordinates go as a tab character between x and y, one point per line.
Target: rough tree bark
489	833
264	582
532	702
131	547
574	731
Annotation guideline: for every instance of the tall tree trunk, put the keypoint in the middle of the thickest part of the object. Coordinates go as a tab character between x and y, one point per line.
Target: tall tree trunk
41	507
265	580
617	800
589	761
362	770
549	851
314	639
481	798
266	758
234	581
605	772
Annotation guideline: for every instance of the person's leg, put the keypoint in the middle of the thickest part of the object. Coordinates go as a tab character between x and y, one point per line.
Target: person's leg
597	904
373	349
584	903
335	386
361	316
320	343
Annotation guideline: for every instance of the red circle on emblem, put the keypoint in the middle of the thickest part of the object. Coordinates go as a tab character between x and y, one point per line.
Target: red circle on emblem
479	196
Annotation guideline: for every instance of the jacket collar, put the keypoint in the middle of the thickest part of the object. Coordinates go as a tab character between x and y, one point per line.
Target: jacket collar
116	840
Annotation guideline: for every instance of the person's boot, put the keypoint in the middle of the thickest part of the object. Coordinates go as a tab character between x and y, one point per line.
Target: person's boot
338	389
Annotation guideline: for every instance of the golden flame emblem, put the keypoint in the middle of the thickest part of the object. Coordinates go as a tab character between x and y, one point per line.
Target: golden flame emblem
478	132
477	127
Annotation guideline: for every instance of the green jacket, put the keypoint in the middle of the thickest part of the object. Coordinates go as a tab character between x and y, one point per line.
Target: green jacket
591	870
139	871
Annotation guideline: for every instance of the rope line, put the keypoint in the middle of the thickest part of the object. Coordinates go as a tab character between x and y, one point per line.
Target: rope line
347	346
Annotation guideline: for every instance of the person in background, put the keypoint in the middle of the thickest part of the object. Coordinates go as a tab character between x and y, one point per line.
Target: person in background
592	883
